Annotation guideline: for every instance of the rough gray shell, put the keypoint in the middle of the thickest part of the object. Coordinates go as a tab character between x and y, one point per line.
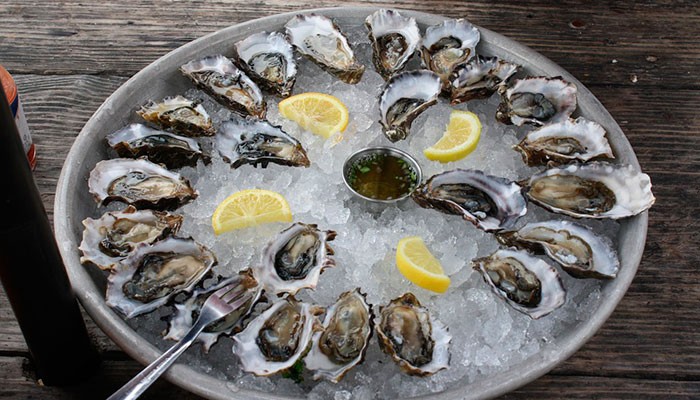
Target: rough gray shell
394	40
179	114
537	100
479	78
269	59
447	45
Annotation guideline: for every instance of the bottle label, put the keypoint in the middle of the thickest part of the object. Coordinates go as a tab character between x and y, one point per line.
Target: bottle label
23	130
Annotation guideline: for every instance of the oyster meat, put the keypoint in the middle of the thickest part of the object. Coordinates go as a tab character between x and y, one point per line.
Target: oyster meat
394	40
152	274
219	77
250	141
112	237
413	338
480	78
295	259
405	96
447	45
277	338
581	252
526	283
343	341
594	190
537	100
269	59
489	202
140	183
179	114
137	140
320	39
187	312
563	142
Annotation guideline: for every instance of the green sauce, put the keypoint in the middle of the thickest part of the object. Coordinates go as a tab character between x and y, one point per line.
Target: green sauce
382	177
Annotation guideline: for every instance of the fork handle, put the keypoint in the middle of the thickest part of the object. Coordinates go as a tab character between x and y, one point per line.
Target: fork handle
138	384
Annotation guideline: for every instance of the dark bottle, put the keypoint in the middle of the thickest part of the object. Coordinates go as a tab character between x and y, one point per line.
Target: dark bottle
32	271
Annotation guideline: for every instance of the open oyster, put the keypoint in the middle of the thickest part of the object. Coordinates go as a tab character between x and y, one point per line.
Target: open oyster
565	141
137	140
594	190
479	78
180	115
413	338
152	274
277	338
320	39
405	96
219	77
526	283
489	202
295	259
140	183
269	59
249	141
581	252
343	341
112	237
448	44
187	312
394	40
538	101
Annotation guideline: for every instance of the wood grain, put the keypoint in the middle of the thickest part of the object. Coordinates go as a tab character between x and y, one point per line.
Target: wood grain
69	56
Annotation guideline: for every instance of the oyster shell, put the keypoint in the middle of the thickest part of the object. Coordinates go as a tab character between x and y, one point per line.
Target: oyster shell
563	142
180	115
526	283
537	100
343	341
249	141
137	140
140	183
269	59
295	259
277	338
394	40
187	312
479	78
405	96
448	44
112	237
413	338
220	78
489	202
152	274
581	252
320	39
594	190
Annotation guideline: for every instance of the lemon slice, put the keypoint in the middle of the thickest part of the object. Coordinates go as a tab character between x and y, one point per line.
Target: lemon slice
460	138
249	208
319	113
419	266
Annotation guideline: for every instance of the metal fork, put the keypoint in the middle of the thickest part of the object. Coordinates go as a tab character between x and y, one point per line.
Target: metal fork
221	303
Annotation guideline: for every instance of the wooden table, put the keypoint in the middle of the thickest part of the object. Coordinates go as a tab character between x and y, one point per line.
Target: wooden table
641	60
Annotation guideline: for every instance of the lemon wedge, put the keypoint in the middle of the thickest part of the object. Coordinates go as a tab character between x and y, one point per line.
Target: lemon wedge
319	113
418	265
249	208
460	138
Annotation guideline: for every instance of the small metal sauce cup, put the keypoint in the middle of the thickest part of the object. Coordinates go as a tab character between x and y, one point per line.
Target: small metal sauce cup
382	150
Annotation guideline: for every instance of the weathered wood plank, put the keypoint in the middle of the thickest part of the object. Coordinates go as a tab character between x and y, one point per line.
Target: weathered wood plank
96	38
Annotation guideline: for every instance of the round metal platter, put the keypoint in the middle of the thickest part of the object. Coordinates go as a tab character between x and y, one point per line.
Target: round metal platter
73	203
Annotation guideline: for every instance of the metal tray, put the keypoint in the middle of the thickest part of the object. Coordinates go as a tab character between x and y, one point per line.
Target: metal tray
73	202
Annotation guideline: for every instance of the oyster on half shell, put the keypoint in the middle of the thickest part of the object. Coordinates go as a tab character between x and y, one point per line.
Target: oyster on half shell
593	190
343	341
269	59
413	338
394	40
479	78
320	39
152	274
526	283
112	237
295	259
489	202
179	114
447	45
537	100
140	183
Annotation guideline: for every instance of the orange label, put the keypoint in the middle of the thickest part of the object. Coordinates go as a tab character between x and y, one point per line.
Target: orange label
8	85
